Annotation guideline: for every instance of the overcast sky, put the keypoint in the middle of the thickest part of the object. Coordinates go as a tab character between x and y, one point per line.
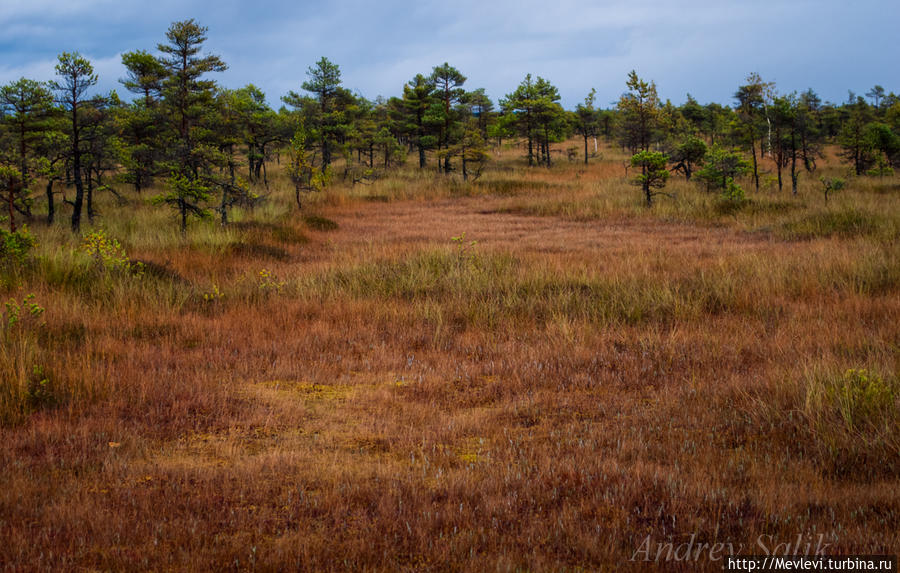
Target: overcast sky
704	47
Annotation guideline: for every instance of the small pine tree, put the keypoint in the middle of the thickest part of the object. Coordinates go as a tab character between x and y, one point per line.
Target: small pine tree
654	174
721	167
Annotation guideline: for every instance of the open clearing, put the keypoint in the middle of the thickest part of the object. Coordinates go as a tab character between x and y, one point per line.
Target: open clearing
567	391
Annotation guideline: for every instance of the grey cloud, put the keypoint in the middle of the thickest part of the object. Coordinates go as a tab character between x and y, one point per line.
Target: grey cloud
702	47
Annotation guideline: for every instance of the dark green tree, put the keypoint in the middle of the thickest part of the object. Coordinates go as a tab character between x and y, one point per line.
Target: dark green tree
534	112
695	115
417	100
752	110
228	124
324	81
856	148
25	109
53	154
587	121
784	141
187	99
101	146
11	187
76	77
552	122
258	128
447	82
139	123
809	128
886	146
482	108
720	168
145	76
654	174
639	111
877	95
687	155
520	109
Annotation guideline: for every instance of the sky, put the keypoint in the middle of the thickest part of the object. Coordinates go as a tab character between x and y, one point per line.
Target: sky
702	47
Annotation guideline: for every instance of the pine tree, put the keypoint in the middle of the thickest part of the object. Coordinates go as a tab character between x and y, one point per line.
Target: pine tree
417	100
25	108
856	148
187	97
639	109
752	112
535	113
76	78
653	173
447	82
325	82
139	123
587	121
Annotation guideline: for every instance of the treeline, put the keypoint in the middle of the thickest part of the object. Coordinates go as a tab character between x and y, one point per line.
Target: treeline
208	147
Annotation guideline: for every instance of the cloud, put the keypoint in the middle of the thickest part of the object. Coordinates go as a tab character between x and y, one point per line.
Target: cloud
697	46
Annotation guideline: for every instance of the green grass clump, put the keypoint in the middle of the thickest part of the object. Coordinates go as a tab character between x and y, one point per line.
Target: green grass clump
854	419
23	387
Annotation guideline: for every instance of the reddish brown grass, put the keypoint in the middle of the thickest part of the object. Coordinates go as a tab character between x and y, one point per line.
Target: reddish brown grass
490	421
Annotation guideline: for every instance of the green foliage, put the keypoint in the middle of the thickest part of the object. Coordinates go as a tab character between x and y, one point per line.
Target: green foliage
305	176
22	386
587	122
39	393
15	312
268	282
25	108
108	255
15	248
688	155
654	173
472	150
855	141
447	82
12	191
640	112
882	139
324	80
76	77
324	115
187	196
858	398
465	250
145	75
830	185
721	167
733	191
188	101
534	112
416	102
855	417
881	169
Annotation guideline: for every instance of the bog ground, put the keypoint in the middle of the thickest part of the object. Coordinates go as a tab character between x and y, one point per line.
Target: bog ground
529	372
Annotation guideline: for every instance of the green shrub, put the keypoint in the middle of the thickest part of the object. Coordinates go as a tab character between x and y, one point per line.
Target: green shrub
854	420
15	247
20	389
858	400
108	254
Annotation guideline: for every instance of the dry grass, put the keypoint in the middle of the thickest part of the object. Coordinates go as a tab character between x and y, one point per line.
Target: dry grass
353	390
